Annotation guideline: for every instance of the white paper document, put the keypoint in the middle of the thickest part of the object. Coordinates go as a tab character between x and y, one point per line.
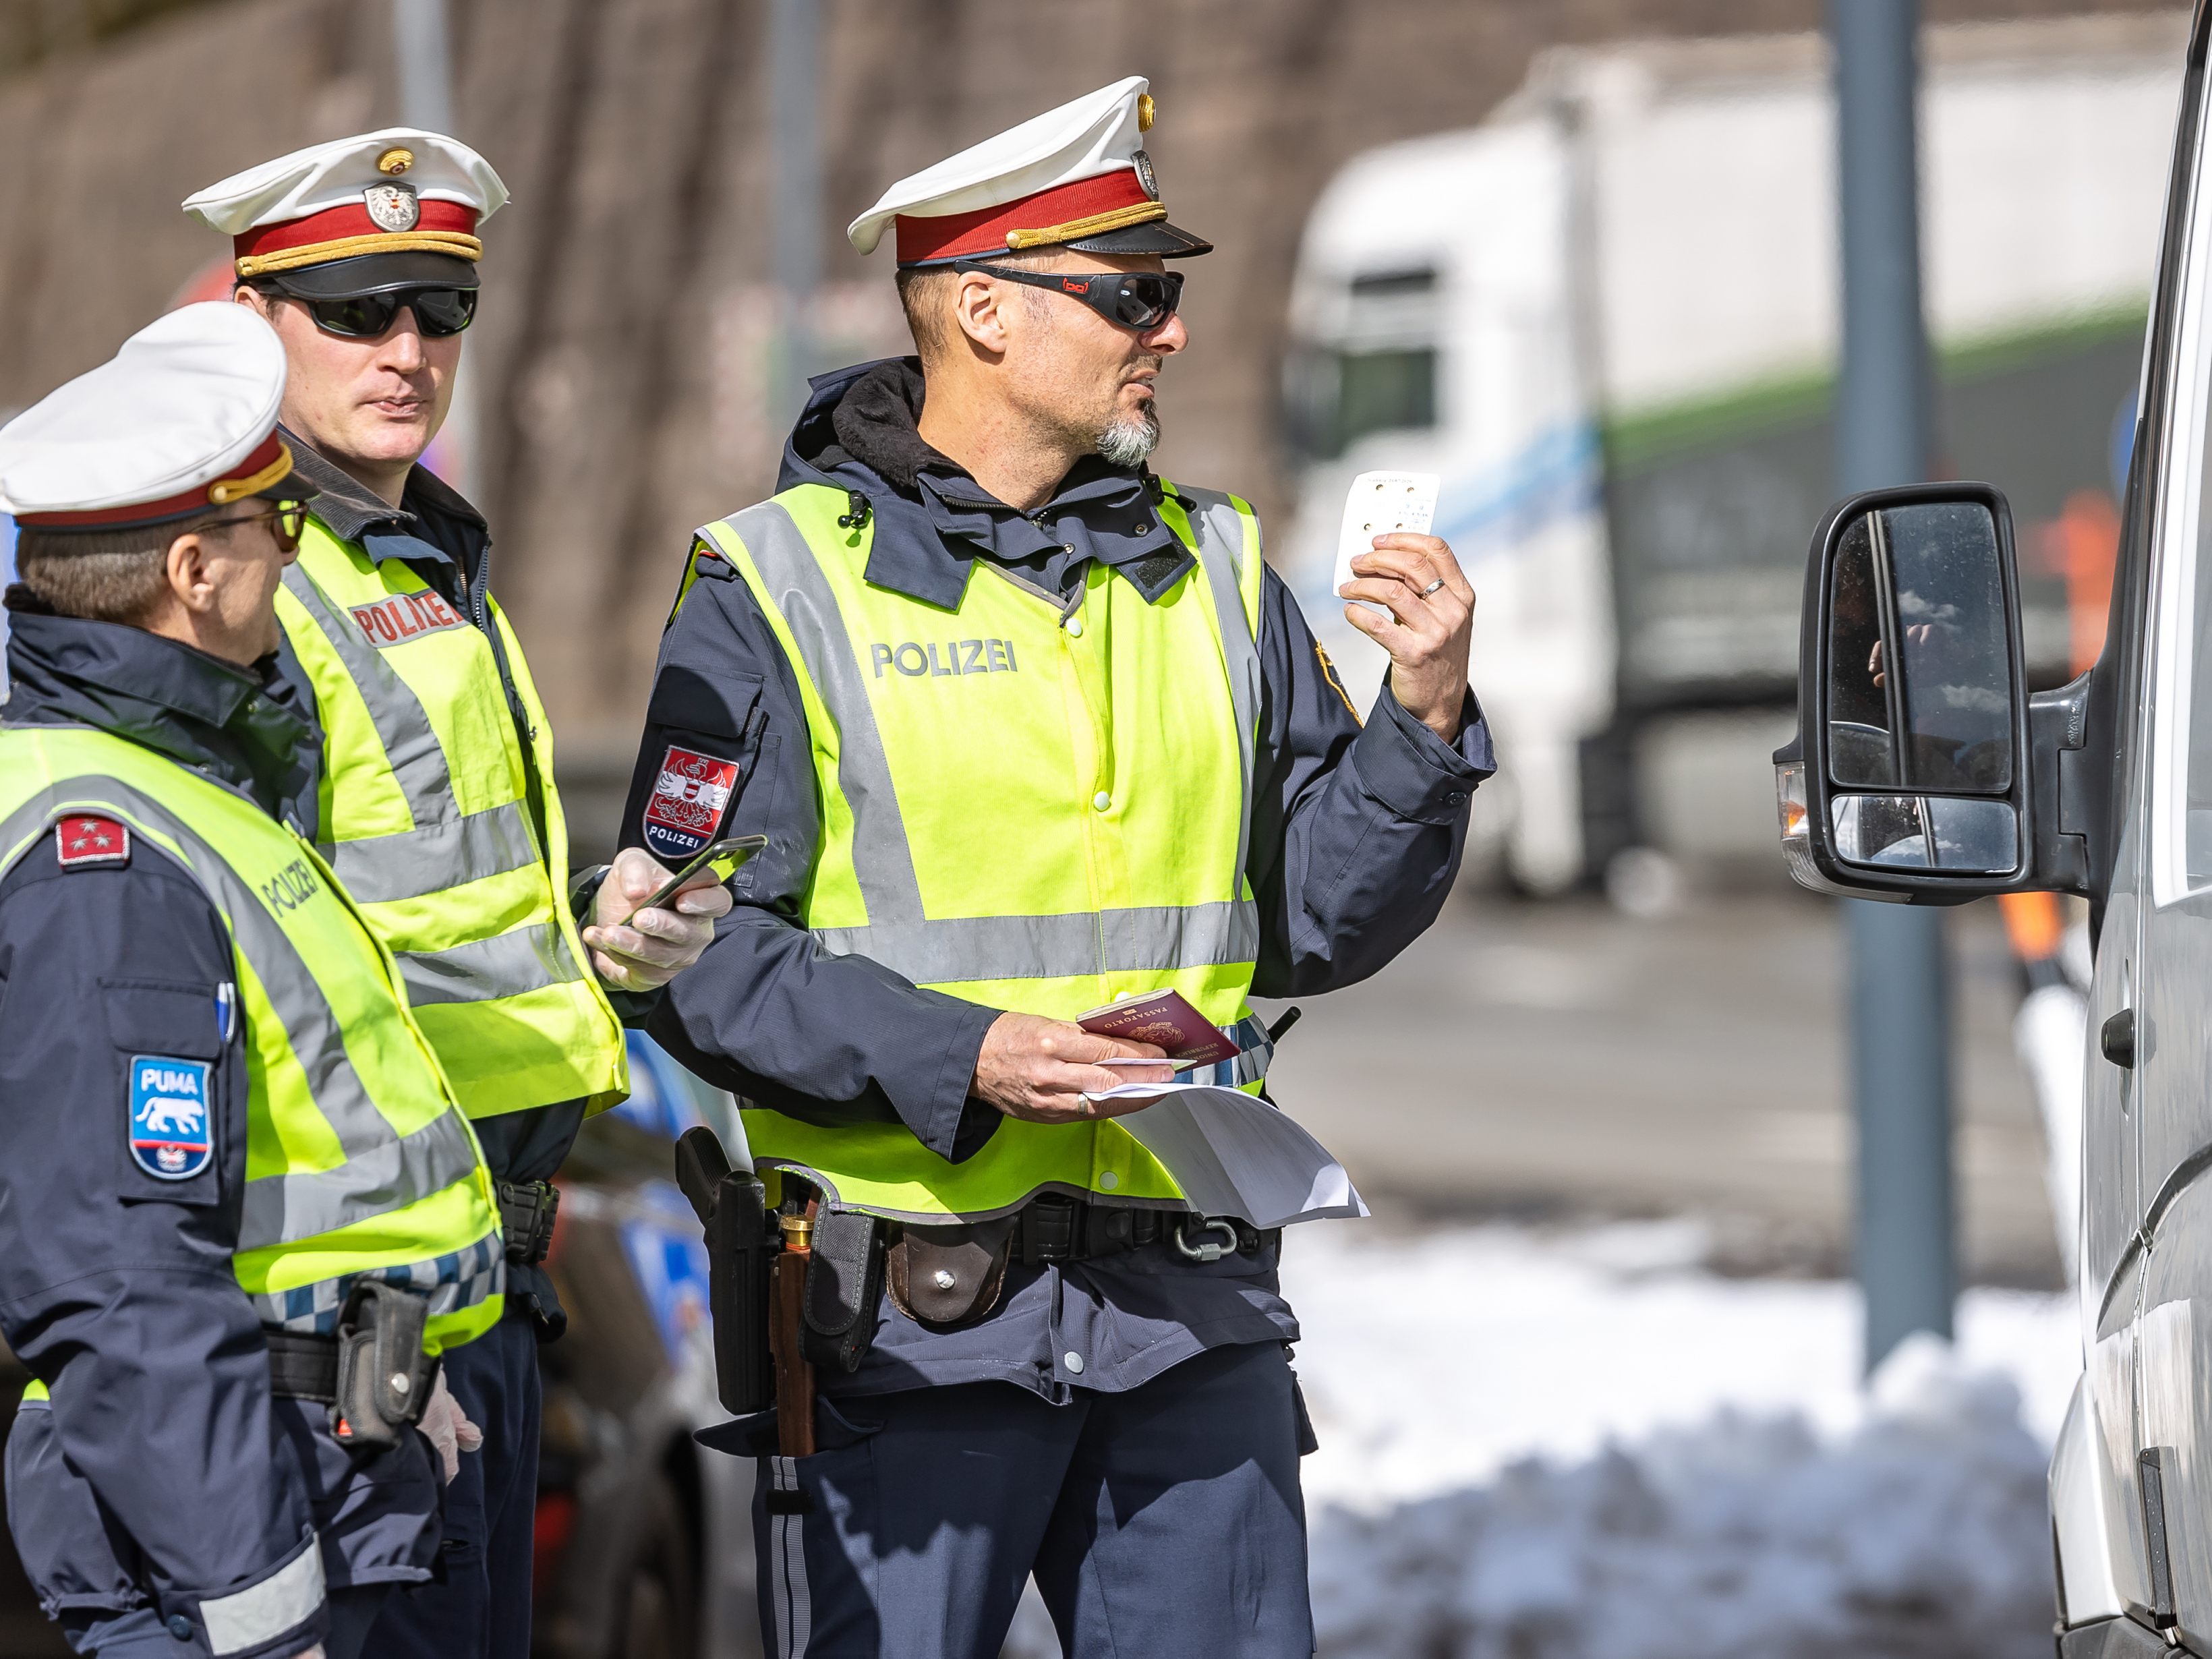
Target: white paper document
1233	1154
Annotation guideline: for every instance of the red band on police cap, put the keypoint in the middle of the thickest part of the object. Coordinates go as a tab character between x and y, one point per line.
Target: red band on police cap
197	499
338	223
962	235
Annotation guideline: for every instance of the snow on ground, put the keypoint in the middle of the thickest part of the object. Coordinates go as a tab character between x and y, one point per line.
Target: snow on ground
1580	1445
1431	1360
1549	1447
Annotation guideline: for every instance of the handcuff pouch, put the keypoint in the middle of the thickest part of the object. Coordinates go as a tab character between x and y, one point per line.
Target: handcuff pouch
844	1287
384	1377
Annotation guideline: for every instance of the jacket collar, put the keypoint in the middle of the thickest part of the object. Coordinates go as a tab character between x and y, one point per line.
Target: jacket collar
857	433
242	727
352	511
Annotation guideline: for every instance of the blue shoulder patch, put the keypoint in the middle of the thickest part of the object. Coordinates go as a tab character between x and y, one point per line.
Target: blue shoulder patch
171	1137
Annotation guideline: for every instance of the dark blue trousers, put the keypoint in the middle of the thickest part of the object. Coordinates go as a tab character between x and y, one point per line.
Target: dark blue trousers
1160	1523
482	1609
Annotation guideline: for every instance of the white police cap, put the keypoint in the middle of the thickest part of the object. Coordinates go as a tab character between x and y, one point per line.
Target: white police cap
400	192
1077	176
181	420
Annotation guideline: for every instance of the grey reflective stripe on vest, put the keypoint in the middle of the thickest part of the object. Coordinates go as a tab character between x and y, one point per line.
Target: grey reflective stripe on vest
951	951
410	863
1156	939
384	1170
1219	530
485	969
444	849
802	595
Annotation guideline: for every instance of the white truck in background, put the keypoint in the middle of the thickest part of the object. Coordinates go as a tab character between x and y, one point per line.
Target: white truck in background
1607	317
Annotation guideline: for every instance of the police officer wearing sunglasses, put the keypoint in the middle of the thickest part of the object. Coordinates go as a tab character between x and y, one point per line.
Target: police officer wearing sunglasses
437	805
1030	728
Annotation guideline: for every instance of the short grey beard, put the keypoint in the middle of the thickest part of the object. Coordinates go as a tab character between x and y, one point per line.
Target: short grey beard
1128	442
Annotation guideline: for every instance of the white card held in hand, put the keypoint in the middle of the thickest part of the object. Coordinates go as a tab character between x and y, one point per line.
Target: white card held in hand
1382	504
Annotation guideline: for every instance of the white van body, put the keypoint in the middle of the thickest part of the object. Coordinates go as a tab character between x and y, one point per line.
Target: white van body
2114	804
1607	317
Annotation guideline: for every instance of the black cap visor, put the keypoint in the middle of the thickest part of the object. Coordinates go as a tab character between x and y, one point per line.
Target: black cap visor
1158	237
373	273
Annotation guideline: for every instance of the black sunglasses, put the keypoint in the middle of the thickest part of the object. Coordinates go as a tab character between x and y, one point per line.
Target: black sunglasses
1134	298
439	312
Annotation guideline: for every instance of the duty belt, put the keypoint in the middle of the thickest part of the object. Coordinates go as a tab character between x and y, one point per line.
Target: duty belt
302	1366
526	1209
375	1375
1050	1228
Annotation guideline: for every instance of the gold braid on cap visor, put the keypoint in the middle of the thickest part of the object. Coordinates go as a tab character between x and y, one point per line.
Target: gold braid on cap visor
223	491
1096	225
347	248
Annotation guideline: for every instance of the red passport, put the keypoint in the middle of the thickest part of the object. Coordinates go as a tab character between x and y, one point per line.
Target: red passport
1165	1019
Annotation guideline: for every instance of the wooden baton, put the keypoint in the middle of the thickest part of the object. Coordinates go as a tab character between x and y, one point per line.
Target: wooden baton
794	1377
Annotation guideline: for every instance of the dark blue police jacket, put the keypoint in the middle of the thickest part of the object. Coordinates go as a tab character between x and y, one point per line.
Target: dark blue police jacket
1356	837
164	1470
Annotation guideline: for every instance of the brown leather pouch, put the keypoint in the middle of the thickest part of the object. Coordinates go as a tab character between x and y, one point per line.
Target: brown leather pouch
949	1275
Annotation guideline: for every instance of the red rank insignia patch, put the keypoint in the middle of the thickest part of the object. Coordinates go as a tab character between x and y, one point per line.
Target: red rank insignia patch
91	840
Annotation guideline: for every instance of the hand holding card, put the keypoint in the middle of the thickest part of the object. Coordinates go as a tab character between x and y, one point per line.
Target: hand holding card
1382	504
1166	1020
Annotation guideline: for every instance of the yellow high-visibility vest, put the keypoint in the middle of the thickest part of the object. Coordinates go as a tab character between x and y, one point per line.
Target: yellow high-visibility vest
425	815
358	1161
1034	809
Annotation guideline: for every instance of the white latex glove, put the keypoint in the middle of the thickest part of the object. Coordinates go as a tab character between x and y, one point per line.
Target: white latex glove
449	1430
314	1652
650	949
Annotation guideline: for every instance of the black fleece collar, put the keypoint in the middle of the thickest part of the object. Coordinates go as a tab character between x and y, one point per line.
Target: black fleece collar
860	432
243	726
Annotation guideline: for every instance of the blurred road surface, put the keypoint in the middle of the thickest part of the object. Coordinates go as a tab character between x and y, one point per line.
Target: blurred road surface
1566	1060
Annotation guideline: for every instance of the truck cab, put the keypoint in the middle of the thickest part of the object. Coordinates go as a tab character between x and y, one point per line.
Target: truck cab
1927	771
1606	318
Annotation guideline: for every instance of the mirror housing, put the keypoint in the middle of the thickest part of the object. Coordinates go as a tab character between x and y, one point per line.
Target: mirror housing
1923	772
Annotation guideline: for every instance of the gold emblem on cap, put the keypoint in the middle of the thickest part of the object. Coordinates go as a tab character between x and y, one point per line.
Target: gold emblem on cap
1147	111
395	160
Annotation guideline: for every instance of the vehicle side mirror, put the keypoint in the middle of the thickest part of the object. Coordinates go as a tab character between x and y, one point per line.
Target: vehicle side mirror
1913	777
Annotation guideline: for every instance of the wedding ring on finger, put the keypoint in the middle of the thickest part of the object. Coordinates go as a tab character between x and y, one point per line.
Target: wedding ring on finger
1433	587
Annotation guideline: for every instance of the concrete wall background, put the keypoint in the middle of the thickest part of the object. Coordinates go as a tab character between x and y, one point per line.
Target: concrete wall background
618	363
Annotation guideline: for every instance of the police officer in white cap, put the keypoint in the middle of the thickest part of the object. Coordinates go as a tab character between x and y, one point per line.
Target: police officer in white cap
438	805
208	1227
1030	730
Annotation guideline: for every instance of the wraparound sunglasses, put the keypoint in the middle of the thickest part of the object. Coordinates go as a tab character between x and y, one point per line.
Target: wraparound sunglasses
439	312
1134	298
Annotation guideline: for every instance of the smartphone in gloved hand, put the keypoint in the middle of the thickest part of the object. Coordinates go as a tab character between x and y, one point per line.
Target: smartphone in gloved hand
725	857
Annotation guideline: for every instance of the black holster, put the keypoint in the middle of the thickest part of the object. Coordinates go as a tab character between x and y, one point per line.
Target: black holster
741	1242
526	1209
383	1376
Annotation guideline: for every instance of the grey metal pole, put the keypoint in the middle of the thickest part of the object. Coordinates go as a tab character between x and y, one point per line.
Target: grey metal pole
1901	1013
795	147
422	53
422	48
